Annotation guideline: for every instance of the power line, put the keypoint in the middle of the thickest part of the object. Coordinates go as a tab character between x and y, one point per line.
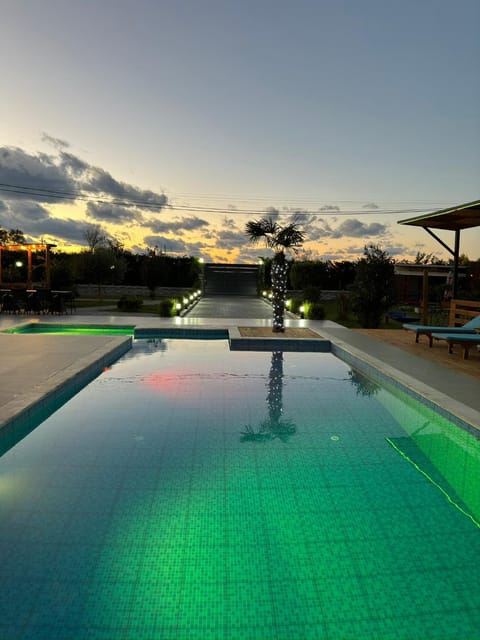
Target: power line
329	212
302	199
40	192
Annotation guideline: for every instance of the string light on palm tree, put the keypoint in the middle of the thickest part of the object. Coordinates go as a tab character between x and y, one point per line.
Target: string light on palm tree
278	238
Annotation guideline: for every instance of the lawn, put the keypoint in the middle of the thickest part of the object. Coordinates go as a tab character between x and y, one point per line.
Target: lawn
332	312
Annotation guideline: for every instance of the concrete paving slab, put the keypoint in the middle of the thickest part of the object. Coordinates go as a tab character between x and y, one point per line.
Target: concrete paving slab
36	368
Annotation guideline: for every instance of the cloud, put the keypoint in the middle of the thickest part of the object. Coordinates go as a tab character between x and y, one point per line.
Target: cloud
56	143
33	177
36	222
329	207
272	212
98	181
28	212
113	213
166	244
29	182
399	250
335	256
49	178
53	229
354	228
231	239
302	218
315	234
177	225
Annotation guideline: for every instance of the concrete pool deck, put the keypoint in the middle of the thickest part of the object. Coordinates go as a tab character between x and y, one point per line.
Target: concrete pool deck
36	368
33	367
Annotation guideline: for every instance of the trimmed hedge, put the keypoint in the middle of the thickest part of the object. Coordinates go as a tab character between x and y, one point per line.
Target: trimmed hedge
166	308
130	303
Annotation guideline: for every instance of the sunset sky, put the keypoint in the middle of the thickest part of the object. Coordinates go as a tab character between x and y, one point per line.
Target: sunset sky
171	123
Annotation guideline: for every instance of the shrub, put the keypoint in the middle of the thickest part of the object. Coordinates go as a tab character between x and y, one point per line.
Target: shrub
312	294
295	304
130	303
373	288
314	311
166	307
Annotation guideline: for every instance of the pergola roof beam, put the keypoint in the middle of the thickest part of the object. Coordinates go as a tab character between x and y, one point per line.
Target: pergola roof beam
444	245
463	216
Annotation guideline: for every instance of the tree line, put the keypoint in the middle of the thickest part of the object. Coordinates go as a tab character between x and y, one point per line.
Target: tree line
369	281
104	261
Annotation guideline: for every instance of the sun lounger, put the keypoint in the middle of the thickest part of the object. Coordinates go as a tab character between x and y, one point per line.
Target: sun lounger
469	327
465	340
400	316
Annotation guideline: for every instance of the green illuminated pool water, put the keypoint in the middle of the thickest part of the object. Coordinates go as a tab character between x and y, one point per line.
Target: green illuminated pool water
191	492
73	329
118	329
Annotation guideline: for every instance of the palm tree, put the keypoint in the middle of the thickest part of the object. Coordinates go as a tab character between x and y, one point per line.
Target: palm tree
278	238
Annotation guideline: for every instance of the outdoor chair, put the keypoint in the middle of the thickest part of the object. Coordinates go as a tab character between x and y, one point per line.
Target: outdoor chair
400	316
34	303
57	304
465	340
431	331
10	304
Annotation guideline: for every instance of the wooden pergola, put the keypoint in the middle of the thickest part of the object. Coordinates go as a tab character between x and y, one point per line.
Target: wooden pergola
456	219
30	249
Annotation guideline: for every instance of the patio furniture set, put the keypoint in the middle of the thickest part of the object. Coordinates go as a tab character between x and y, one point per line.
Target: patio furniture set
36	301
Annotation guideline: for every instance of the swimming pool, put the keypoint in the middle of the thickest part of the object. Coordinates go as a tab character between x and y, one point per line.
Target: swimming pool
195	492
57	328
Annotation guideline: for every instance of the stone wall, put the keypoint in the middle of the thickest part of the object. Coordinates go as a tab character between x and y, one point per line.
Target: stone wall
117	291
332	294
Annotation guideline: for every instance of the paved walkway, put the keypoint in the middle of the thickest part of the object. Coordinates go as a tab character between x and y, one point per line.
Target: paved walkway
231	307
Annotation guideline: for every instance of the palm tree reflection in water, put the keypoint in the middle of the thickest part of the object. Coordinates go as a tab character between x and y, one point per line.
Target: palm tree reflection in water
273	427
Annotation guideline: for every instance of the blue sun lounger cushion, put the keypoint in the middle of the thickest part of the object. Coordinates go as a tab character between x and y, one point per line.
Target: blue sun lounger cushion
471	327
